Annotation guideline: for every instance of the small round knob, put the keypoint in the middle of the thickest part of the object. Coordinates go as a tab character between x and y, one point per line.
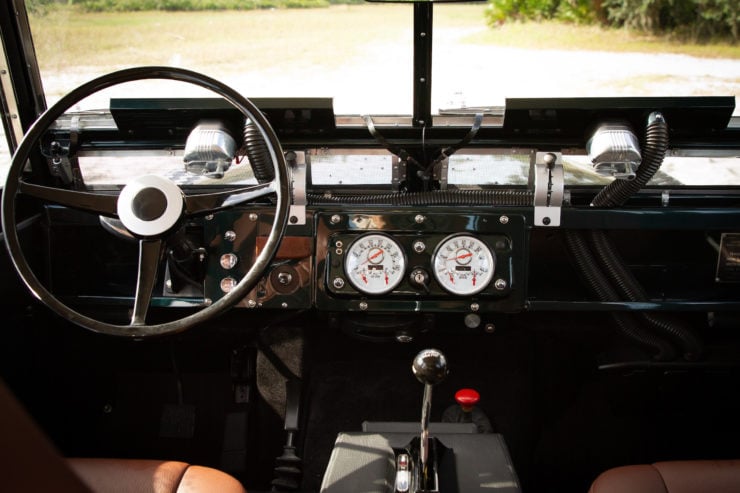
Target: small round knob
467	398
430	366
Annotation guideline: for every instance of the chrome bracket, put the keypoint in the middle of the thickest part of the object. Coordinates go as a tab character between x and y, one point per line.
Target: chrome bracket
399	172
549	188
297	164
441	173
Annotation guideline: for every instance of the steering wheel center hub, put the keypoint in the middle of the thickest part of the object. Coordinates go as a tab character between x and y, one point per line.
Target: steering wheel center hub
150	205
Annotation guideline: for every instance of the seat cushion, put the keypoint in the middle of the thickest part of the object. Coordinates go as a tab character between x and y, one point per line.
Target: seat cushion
151	476
716	476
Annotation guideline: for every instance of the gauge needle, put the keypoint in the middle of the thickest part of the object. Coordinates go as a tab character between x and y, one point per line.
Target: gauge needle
373	256
460	257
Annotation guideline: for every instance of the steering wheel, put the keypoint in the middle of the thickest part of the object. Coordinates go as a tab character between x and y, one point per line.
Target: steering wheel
150	225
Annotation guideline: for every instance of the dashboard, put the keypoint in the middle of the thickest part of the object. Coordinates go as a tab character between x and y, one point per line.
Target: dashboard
390	223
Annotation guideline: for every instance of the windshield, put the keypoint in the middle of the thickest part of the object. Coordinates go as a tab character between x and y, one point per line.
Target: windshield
361	55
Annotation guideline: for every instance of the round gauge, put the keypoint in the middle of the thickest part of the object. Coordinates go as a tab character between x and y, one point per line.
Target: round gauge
463	264
375	264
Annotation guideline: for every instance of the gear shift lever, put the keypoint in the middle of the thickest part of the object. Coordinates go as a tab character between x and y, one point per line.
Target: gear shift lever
430	368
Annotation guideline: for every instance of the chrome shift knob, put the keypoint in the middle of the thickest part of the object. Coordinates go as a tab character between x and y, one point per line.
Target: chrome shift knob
430	366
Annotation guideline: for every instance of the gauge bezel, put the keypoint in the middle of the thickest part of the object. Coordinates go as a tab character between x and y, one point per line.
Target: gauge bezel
443	284
362	289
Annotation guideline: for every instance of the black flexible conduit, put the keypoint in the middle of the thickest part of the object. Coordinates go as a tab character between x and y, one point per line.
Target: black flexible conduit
653	152
521	198
257	153
595	279
626	285
630	289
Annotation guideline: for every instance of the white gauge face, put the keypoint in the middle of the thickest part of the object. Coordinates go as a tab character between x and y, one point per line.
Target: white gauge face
375	264
463	265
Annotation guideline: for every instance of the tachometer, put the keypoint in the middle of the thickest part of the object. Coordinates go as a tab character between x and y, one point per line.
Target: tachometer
375	264
463	264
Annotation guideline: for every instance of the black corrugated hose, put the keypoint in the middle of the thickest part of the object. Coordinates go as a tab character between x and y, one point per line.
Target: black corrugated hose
653	152
256	150
521	198
595	279
615	194
631	290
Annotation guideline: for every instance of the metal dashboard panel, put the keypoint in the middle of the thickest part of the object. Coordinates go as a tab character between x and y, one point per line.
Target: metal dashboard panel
505	234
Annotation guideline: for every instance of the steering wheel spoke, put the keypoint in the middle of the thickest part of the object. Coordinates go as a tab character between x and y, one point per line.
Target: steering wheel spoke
150	255
212	202
102	204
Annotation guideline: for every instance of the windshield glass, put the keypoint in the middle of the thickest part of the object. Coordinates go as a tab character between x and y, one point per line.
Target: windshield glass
361	55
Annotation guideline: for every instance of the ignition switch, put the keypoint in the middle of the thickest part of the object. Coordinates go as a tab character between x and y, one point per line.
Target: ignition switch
419	278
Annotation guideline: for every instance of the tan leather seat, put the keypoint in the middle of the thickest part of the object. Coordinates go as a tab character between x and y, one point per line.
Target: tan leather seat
30	463
151	476
700	476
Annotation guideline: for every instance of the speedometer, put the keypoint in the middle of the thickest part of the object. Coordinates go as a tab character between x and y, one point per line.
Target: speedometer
375	264
463	265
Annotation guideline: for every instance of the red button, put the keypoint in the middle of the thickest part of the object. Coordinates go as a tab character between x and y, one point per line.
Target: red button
467	398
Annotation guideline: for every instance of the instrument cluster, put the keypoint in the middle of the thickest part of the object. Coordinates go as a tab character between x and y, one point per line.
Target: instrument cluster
413	261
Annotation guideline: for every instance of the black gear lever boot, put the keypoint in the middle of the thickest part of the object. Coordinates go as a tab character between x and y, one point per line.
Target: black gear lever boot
466	411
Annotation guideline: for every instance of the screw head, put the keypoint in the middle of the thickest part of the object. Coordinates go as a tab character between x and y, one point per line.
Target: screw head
253	216
338	282
363	305
419	219
230	235
251	303
504	219
474	307
335	219
419	246
500	284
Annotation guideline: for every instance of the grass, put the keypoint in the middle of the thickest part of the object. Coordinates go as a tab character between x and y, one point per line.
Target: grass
264	38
